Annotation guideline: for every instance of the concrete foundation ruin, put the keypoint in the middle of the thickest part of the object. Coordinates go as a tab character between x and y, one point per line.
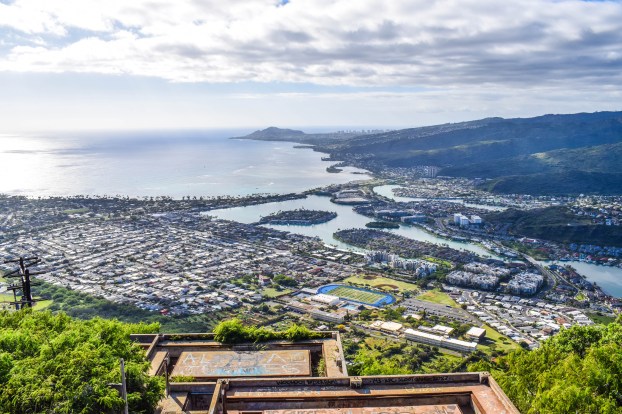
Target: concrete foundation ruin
302	377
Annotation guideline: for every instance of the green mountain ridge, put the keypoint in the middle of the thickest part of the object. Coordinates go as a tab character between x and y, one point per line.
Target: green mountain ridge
575	153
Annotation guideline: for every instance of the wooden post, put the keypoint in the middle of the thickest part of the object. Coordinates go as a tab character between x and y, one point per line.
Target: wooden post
124	387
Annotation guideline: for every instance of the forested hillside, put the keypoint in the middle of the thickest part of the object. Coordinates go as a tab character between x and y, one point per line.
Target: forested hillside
576	371
557	224
550	154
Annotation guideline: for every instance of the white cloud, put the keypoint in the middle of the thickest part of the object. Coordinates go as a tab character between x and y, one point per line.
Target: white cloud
332	42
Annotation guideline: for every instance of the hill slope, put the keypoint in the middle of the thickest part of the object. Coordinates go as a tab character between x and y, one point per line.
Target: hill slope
485	140
557	224
575	153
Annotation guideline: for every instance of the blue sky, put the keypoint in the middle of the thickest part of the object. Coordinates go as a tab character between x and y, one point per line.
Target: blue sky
86	64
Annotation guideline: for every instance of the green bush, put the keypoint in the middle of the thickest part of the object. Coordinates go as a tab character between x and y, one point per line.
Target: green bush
233	331
182	378
51	363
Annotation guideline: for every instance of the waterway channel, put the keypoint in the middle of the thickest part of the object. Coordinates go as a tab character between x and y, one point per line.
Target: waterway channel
609	278
346	219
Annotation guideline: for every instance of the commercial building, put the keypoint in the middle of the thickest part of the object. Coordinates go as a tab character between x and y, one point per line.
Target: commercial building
481	281
525	283
476	333
423	337
337	316
387	327
421	268
445	330
325	299
463	221
440	341
334	317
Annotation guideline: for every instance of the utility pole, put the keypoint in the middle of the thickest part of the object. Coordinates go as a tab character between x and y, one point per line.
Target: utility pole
24	283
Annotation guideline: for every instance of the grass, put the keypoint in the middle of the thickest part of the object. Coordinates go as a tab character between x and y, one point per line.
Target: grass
602	319
377	282
357	295
440	262
436	296
580	296
501	342
40	305
273	293
6	297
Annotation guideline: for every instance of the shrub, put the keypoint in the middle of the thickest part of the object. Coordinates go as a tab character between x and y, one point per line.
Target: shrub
233	331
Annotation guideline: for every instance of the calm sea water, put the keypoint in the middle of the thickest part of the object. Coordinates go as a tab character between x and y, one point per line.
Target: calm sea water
171	163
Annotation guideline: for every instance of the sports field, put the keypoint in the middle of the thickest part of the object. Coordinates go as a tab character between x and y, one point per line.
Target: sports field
359	295
382	283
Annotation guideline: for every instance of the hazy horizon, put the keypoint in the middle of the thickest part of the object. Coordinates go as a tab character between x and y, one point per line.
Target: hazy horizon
241	131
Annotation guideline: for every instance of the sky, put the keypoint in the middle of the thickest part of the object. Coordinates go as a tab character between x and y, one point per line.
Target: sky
119	64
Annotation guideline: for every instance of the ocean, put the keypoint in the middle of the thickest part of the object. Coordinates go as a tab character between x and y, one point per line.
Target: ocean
159	163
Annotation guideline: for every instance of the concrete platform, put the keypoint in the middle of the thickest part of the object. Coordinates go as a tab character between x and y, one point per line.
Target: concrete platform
462	393
218	364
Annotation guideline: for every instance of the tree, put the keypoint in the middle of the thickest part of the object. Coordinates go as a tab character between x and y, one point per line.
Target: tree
365	315
285	280
576	371
55	364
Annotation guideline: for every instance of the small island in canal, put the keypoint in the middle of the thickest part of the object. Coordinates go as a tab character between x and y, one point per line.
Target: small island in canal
382	225
298	217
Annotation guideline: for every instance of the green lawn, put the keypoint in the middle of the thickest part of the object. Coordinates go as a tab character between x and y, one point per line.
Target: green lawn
440	262
501	342
40	305
381	283
273	293
602	319
436	296
6	296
